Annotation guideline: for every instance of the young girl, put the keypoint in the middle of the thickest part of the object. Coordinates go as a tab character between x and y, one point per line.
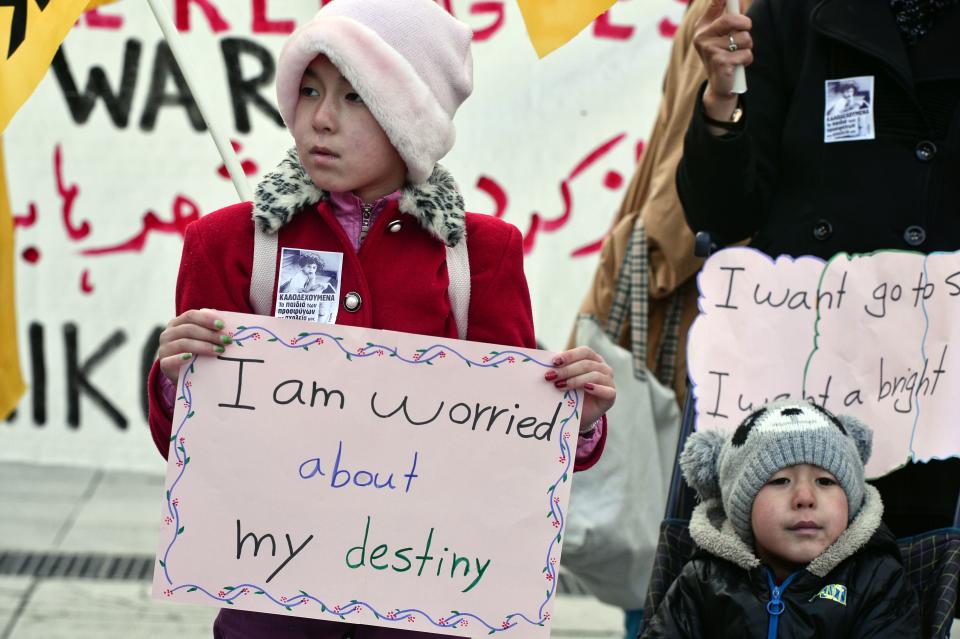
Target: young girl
368	88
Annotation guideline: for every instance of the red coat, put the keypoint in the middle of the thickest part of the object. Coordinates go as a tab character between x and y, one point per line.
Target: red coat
400	275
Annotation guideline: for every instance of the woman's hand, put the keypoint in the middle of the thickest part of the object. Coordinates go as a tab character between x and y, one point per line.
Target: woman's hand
582	368
193	332
713	34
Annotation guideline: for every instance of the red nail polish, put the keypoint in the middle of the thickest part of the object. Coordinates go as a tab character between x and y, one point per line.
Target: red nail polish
550	376
560	384
588	386
557	361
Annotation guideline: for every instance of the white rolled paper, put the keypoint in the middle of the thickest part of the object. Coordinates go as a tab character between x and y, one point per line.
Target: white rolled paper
739	74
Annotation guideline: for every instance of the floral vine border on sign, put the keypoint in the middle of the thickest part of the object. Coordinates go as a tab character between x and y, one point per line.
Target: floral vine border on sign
422	356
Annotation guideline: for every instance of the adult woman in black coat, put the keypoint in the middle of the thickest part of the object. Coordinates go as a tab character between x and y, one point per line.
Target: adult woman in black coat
793	169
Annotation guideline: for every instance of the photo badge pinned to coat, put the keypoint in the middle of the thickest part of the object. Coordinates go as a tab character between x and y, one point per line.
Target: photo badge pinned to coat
848	109
309	285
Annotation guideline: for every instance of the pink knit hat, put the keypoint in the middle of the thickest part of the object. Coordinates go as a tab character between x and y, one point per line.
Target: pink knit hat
408	59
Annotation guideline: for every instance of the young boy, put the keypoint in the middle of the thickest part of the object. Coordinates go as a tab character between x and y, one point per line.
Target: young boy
790	541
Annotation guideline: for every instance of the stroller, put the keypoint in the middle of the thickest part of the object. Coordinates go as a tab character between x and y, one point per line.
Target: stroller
931	559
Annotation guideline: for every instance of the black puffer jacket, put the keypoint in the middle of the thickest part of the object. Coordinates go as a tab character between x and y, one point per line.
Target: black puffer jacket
856	589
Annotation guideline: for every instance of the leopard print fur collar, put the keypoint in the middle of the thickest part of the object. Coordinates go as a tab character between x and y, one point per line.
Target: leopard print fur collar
437	203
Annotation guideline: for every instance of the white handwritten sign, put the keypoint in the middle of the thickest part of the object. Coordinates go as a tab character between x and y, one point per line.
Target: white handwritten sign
371	477
868	335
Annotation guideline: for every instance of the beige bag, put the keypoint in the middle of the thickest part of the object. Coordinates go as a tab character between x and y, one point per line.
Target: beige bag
617	505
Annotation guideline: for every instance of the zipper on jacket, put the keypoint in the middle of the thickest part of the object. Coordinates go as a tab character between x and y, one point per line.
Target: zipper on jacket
775	606
367	211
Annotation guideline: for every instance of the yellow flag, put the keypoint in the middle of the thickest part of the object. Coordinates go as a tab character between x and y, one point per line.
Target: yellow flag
553	23
11	382
30	33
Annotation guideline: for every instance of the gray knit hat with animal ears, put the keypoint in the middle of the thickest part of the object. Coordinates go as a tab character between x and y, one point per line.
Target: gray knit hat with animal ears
776	436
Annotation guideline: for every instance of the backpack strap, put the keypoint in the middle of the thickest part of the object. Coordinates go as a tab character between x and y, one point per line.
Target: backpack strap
264	277
458	272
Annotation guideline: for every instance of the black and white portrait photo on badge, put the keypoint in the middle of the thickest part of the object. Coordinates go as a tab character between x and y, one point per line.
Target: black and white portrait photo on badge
303	271
308	285
848	109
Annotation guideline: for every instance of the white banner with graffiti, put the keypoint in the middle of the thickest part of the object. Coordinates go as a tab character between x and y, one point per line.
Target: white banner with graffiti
109	161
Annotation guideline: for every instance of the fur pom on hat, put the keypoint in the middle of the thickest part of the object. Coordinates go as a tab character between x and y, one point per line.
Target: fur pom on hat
698	462
736	466
409	60
861	434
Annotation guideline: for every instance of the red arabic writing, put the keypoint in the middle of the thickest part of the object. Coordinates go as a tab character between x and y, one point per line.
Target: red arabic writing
538	223
68	194
612	180
85	286
183	212
249	166
496	193
31	254
28	220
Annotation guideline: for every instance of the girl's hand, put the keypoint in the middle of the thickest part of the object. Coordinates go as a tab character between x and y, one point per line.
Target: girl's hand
712	37
194	332
582	368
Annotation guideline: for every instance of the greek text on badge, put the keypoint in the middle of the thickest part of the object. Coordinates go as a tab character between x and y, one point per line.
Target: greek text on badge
848	110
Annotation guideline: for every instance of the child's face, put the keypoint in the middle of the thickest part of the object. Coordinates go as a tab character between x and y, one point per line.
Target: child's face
798	513
309	268
340	144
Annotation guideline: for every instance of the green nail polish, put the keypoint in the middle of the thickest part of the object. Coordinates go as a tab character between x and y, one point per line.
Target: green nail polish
218	324
186	356
219	349
226	339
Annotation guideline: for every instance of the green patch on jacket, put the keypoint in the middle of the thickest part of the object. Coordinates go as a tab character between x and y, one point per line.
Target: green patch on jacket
833	592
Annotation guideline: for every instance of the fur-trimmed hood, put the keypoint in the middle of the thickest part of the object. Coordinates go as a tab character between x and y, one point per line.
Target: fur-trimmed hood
436	204
712	531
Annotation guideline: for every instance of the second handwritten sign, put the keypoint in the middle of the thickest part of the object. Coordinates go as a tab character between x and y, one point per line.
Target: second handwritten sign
869	335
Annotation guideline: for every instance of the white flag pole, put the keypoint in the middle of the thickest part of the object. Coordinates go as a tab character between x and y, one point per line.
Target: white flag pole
739	73
230	159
